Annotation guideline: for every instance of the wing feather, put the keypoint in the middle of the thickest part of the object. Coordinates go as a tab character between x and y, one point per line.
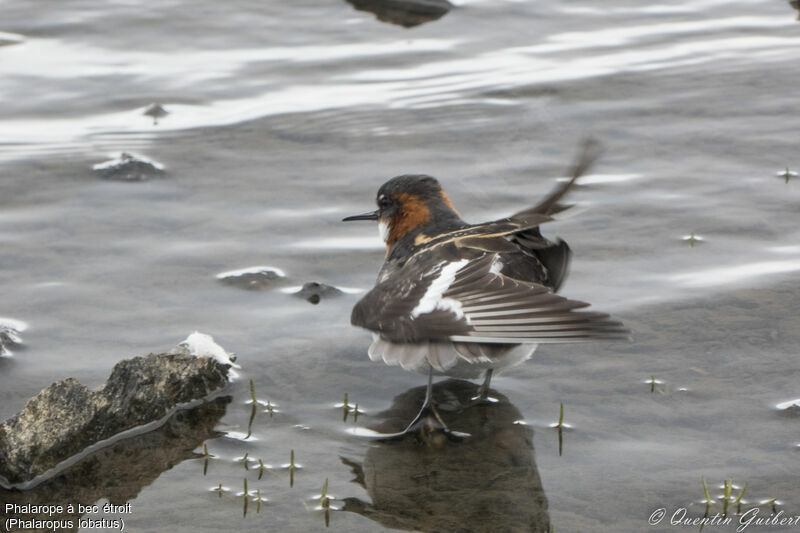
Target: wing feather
476	302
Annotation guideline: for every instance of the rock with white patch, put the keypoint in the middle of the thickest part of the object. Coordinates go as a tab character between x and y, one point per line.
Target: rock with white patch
66	419
156	111
128	167
314	292
406	13
118	473
10	330
789	409
201	345
253	278
10	38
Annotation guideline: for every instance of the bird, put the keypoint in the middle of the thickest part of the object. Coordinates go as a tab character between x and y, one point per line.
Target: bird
469	300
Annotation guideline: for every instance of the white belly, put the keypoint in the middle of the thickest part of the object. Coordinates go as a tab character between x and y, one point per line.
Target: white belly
465	360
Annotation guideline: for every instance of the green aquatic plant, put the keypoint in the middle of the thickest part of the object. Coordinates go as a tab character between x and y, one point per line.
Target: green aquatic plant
250	422
705	491
219	490
345	407
260	468
355	414
252	410
324	502
727	486
652	384
258	500
244	509
786	175
738	501
291	469
244	460
270	409
560	428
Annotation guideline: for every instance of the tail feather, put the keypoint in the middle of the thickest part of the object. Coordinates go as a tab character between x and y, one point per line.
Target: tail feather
442	355
551	205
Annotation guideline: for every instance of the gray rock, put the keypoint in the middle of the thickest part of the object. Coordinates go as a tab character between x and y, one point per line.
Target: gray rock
253	278
118	473
314	291
790	409
128	168
10	330
406	13
10	38
156	111
66	418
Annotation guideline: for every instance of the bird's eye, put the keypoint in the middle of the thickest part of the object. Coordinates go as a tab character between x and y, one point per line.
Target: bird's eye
384	202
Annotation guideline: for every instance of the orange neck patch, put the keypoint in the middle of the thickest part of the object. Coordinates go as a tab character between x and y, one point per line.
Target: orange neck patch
413	214
448	203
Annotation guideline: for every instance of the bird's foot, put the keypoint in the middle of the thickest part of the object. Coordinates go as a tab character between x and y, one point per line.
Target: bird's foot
427	426
428	422
482	398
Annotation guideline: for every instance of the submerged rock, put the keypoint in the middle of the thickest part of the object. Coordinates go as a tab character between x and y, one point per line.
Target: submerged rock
118	473
156	111
790	409
252	278
10	38
128	167
406	13
314	291
9	335
67	418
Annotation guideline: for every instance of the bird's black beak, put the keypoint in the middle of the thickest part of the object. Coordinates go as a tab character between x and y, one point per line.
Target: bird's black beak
374	215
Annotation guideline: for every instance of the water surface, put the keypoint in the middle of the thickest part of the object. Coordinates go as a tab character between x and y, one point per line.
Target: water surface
285	117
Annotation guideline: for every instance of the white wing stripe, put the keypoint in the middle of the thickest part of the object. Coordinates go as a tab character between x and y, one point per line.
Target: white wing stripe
433	300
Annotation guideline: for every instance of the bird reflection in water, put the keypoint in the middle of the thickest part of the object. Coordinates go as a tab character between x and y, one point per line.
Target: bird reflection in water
427	482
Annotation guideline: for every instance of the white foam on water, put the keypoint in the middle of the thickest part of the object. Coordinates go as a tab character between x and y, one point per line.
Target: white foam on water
252	270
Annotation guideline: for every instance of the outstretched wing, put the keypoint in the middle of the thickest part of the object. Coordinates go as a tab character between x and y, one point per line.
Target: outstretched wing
522	228
469	299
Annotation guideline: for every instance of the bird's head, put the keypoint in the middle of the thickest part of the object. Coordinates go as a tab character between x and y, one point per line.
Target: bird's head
408	203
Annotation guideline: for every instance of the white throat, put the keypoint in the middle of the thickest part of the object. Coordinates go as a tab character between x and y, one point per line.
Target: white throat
383	229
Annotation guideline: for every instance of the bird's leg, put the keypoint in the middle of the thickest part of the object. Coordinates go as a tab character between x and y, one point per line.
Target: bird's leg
427	405
428	411
483	390
485	387
427	420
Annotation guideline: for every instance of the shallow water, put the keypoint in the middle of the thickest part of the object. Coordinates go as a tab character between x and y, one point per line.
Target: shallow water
285	117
